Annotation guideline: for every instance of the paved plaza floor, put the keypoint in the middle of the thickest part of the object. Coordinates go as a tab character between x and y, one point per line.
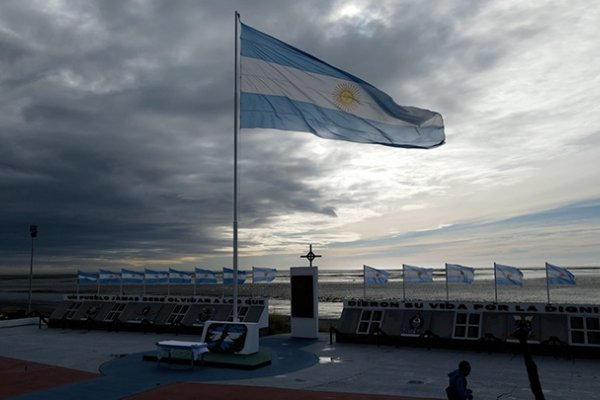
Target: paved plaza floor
91	365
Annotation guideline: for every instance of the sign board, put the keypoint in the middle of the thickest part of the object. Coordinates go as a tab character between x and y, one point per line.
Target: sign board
231	337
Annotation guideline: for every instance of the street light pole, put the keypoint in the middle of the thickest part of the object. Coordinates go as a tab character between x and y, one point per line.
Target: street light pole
33	231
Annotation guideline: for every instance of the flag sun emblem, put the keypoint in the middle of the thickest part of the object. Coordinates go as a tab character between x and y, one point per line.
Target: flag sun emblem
346	96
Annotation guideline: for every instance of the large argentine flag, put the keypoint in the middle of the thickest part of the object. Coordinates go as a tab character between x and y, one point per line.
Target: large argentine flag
285	88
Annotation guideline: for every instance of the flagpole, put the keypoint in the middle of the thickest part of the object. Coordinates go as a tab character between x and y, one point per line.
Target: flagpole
403	284
447	294
252	290
236	127
195	281
364	281
495	284
547	284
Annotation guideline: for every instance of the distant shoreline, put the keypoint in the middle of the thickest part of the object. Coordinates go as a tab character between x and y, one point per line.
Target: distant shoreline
334	287
37	276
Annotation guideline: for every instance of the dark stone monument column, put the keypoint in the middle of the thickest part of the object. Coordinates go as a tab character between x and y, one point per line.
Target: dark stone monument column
305	299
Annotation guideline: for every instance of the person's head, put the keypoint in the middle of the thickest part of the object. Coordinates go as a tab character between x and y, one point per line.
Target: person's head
464	367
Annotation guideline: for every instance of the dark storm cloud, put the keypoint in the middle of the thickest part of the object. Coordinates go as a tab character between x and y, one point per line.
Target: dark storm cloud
116	124
117	135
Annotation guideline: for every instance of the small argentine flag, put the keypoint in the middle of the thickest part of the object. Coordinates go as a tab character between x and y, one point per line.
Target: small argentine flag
412	274
205	276
374	275
151	276
105	276
129	276
228	276
459	273
263	274
507	275
176	276
86	277
559	275
285	88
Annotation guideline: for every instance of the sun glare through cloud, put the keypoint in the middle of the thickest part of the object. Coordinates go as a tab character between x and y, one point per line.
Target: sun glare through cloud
117	133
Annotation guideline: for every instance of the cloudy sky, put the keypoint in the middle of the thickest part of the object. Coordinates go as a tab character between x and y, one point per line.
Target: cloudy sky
116	136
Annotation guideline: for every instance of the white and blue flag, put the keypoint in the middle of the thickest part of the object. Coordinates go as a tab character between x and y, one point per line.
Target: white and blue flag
559	275
285	88
129	276
374	275
263	274
459	273
177	276
86	277
205	276
412	274
151	276
105	276
228	276
507	275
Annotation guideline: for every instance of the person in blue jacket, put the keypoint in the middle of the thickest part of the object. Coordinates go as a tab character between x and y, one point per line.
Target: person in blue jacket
457	389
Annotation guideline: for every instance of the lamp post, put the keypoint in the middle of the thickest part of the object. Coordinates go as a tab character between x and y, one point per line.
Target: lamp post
33	231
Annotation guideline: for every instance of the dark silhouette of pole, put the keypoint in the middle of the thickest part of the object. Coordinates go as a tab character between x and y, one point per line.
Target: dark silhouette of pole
236	129
33	231
522	333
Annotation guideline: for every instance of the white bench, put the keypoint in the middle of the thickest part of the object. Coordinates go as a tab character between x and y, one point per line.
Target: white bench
196	349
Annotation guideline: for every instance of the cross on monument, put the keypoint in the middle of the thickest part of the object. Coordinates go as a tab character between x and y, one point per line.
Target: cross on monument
310	256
